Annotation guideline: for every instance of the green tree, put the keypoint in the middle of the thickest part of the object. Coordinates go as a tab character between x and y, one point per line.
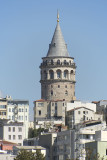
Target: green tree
39	156
28	155
35	132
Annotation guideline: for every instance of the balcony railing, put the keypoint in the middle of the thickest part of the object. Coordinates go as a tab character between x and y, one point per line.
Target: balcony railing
54	64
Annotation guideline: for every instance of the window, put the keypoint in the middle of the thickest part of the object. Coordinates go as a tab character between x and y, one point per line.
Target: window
106	151
51	86
22	117
58	86
13	129
26	109
14	137
51	92
58	73
12	117
39	112
9	109
9	136
26	118
9	129
51	73
9	117
19	109
65	86
20	129
12	109
19	136
65	74
19	117
58	61
87	118
45	75
79	112
22	109
51	62
63	104
3	113
40	104
65	62
66	92
83	112
71	71
52	104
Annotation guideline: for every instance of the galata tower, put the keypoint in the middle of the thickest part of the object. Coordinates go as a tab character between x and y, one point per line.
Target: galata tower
58	70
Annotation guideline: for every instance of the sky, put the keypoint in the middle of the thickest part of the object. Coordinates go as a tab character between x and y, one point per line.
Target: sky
26	29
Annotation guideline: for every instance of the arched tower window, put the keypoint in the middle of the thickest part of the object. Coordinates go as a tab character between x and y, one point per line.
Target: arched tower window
51	73
51	61
45	75
65	62
66	74
58	73
58	61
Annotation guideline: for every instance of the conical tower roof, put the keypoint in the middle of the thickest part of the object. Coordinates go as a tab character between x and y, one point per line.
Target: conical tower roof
58	47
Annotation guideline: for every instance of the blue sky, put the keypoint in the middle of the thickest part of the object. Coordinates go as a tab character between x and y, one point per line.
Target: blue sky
26	29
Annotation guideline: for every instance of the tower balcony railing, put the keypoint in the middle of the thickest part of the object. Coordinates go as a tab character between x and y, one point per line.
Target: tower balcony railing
55	64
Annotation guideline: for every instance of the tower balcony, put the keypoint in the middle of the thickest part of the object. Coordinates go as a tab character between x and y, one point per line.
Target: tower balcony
55	64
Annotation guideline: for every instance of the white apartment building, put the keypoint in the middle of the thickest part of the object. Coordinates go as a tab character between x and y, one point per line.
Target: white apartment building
3	110
80	115
12	131
77	103
18	110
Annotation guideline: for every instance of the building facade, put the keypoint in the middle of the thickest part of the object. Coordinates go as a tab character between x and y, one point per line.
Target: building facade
47	113
12	131
18	110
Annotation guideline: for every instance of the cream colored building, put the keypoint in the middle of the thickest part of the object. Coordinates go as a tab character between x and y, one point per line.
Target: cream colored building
80	115
47	113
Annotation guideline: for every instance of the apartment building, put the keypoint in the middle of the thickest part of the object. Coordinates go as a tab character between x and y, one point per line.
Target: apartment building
12	131
80	115
3	109
18	110
48	113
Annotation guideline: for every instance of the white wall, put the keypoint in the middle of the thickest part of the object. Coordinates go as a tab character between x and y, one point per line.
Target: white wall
77	104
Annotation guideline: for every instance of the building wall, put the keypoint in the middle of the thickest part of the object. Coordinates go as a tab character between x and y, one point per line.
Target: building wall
3	108
77	104
13	136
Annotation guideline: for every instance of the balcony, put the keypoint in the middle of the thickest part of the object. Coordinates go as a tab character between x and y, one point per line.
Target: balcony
55	64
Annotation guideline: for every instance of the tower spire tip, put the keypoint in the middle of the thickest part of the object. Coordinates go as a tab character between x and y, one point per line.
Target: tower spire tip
57	16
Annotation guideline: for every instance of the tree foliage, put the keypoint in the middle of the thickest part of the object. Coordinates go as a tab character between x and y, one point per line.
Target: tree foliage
35	132
28	155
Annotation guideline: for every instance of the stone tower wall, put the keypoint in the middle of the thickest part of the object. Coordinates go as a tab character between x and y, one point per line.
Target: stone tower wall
58	79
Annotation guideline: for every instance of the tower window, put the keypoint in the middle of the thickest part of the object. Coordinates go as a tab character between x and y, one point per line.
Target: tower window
65	61
51	62
51	73
45	75
71	71
58	73
65	74
58	61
